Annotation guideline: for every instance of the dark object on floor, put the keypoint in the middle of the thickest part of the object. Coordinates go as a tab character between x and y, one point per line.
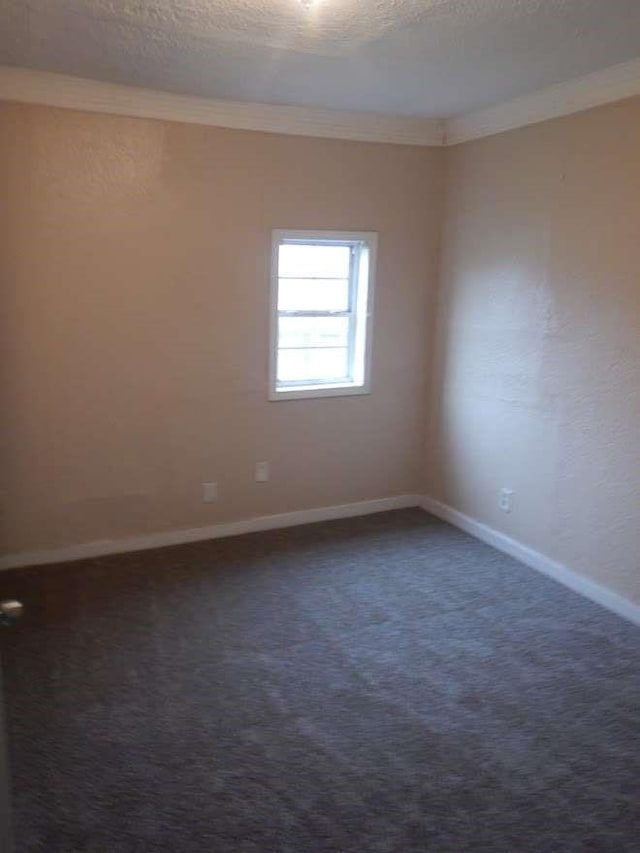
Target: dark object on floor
376	684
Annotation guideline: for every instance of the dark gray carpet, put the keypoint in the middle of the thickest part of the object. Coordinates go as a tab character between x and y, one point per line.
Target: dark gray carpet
378	684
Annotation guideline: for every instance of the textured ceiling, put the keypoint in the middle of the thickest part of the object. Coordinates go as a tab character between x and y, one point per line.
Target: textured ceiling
407	57
332	28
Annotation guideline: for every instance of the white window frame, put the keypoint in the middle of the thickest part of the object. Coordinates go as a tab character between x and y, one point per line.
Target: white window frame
360	312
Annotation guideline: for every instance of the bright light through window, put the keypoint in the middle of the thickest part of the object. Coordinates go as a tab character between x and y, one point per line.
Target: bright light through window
321	313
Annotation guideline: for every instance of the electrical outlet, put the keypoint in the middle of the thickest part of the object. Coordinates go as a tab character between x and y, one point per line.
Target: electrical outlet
505	500
209	493
262	472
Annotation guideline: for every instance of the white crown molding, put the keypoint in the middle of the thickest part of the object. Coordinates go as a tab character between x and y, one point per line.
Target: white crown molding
102	547
593	90
536	560
58	90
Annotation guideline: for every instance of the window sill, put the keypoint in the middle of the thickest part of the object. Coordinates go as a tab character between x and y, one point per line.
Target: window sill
307	392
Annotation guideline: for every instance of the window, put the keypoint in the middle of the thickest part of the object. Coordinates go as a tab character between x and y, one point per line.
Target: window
322	298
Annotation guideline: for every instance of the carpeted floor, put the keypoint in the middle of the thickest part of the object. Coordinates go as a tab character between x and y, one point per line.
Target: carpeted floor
378	684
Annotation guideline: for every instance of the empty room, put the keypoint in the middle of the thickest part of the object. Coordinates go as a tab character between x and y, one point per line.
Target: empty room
320	448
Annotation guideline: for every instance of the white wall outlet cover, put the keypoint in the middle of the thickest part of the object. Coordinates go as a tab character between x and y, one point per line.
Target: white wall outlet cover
209	493
505	500
262	472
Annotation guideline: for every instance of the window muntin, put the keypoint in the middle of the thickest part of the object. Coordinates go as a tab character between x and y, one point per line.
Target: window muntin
321	313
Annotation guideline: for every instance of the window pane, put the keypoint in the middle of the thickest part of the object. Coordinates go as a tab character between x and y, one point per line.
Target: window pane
309	294
312	332
313	365
299	260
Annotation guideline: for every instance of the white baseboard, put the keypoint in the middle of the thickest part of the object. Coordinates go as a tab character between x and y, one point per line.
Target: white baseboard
530	557
213	531
535	560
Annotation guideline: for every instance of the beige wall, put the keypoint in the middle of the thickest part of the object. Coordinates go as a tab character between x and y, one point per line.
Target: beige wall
135	273
134	262
538	362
